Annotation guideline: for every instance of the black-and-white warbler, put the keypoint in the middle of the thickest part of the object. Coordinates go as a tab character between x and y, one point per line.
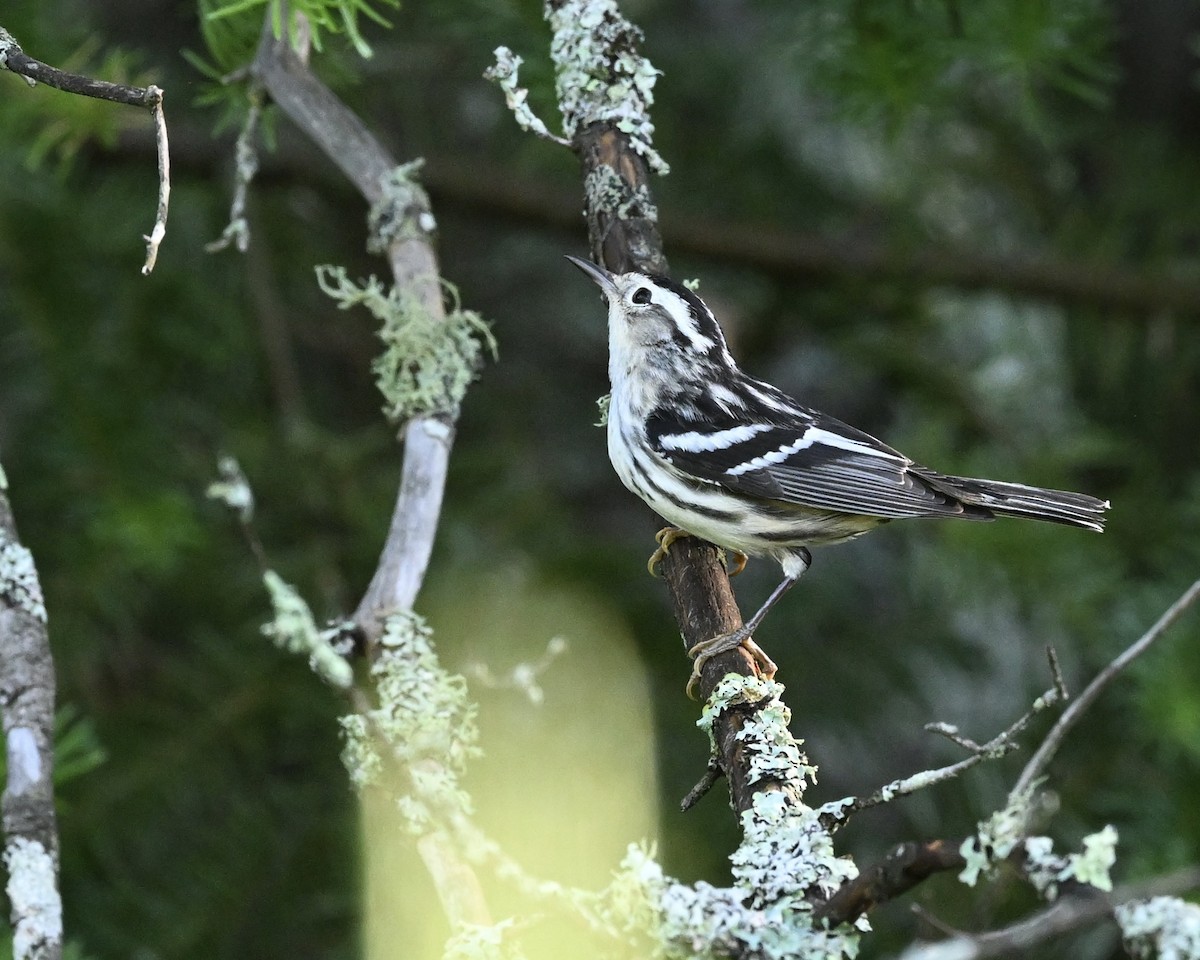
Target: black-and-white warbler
735	461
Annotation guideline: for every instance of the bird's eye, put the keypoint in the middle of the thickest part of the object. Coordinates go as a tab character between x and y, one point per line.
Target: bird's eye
641	295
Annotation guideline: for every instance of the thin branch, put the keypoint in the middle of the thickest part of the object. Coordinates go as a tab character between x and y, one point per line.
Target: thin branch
345	139
237	231
1069	913
712	774
27	698
13	58
911	863
904	868
1003	743
155	238
1045	753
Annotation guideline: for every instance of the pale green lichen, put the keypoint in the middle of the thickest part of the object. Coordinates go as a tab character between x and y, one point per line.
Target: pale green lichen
294	629
428	362
1000	835
478	942
1162	928
630	907
524	676
786	856
602	405
423	720
600	75
772	752
786	852
658	918
784	863
33	894
996	837
402	211
605	190
232	489
504	72
1093	865
20	587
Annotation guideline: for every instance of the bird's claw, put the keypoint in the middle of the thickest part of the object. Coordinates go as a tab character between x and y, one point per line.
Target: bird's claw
735	561
665	537
704	651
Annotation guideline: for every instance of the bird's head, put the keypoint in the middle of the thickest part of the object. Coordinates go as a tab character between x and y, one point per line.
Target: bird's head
649	314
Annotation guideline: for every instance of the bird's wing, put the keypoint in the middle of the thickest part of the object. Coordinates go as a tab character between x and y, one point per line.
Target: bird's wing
772	448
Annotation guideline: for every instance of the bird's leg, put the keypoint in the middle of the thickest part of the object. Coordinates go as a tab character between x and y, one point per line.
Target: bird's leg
665	537
743	636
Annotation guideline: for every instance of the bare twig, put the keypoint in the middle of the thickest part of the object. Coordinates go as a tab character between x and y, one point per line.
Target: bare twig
27	699
1003	743
712	774
155	238
1070	913
237	231
13	58
1045	753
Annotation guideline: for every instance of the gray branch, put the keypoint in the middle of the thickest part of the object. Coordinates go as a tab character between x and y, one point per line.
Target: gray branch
27	699
1045	753
345	139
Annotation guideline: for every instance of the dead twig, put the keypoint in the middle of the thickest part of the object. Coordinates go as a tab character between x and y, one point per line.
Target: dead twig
16	60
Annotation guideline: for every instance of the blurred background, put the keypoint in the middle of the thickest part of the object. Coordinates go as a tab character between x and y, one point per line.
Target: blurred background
968	228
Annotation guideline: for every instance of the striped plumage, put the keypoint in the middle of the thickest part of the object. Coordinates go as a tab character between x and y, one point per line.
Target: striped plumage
736	461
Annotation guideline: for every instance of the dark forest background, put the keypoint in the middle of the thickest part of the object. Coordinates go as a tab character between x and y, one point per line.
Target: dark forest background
969	228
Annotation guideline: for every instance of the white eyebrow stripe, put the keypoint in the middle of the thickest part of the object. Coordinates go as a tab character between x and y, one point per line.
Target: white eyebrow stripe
811	436
696	442
681	313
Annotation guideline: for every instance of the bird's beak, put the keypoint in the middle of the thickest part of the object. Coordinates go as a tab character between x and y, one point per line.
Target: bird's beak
602	277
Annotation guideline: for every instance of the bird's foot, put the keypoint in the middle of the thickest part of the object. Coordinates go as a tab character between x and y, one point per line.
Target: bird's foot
735	561
665	537
707	649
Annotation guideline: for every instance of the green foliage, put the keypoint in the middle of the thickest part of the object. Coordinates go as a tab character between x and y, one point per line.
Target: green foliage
230	38
77	747
894	60
320	16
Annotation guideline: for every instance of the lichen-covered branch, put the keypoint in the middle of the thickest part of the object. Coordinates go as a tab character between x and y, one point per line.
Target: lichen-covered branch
605	88
1153	923
27	699
339	132
402	228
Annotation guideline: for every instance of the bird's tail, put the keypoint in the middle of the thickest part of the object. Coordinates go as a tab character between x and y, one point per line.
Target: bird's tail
1018	500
